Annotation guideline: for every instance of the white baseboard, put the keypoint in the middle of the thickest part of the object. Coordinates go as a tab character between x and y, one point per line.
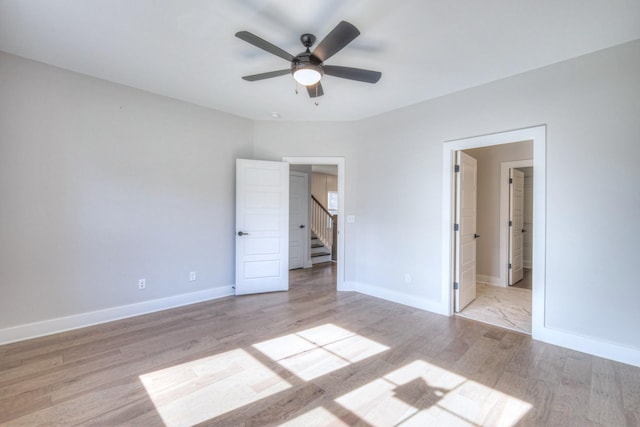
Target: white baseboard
400	298
568	340
348	286
489	280
617	352
61	324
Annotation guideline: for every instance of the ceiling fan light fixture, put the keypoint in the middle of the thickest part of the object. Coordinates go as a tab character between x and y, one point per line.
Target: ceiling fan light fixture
307	75
307	68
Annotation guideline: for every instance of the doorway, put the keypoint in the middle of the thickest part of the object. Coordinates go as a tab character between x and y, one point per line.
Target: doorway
538	137
498	264
262	223
337	164
313	210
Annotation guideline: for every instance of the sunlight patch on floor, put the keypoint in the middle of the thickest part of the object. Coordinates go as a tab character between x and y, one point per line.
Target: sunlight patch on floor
317	351
424	394
203	389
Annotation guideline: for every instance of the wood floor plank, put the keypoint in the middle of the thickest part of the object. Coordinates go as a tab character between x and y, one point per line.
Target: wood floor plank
309	357
573	392
605	399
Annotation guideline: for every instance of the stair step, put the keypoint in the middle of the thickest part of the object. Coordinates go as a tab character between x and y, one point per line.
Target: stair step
317	245
320	259
320	254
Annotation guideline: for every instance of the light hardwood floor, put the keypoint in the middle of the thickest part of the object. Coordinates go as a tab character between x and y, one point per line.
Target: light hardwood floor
303	358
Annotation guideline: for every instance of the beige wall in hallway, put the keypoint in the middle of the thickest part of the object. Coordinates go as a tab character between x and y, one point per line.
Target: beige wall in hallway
321	184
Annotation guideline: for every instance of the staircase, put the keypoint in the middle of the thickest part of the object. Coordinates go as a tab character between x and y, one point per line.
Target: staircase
322	232
319	252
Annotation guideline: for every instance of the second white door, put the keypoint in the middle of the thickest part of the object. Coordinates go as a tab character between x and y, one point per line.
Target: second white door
516	225
298	218
465	233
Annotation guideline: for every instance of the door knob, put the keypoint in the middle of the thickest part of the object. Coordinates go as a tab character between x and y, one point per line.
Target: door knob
524	231
302	226
241	233
475	236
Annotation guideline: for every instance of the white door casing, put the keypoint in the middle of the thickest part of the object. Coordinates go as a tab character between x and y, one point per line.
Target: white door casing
262	226
298	216
465	236
537	134
516	224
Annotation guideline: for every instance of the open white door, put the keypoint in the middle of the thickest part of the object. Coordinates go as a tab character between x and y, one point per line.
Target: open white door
262	226
516	225
465	231
298	218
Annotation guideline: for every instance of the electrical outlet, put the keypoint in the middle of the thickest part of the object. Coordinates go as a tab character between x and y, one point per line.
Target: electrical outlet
142	283
407	278
192	276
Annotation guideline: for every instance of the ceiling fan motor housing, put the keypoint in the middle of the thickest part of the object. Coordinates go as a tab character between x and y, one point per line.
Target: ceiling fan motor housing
306	60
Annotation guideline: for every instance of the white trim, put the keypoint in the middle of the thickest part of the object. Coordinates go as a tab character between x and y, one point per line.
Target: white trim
504	216
349	286
62	324
536	134
340	163
589	345
489	280
399	297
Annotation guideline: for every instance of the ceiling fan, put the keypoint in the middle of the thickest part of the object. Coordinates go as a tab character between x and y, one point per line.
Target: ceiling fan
308	67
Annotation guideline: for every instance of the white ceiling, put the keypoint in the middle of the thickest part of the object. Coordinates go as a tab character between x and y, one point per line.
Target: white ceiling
187	50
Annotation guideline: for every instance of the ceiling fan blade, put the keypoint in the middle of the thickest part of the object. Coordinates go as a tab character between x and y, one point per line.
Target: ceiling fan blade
338	38
315	90
358	74
264	45
268	75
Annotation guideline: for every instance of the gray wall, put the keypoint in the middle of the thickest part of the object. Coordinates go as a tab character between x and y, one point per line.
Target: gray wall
101	185
394	185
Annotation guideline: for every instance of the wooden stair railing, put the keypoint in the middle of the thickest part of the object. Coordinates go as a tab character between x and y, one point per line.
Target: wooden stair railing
321	223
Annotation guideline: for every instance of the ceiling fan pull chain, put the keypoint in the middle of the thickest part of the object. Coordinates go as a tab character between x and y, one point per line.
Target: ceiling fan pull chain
316	102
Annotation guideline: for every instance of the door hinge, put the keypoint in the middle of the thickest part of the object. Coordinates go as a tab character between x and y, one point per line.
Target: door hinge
510	180
509	266
455	286
456	227
510	223
457	168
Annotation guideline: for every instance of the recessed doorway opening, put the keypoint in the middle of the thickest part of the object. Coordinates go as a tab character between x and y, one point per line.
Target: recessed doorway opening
321	240
499	276
313	216
503	222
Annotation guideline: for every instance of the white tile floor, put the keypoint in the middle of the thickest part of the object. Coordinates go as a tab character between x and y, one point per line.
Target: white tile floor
506	307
